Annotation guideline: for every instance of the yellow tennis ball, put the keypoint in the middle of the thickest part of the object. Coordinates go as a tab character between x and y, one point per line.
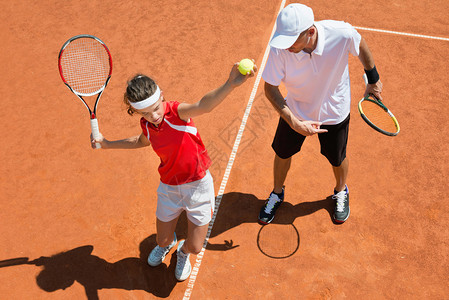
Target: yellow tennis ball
245	66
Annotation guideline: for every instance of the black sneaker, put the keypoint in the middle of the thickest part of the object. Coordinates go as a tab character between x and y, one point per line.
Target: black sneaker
267	212
341	210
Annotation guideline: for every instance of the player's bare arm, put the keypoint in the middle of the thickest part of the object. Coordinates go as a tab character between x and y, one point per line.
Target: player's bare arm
367	60
214	97
133	142
276	99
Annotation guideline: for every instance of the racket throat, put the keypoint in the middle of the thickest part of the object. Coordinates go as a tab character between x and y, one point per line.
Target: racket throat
92	116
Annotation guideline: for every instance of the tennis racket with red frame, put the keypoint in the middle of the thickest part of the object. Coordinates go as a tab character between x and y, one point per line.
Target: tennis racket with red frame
85	66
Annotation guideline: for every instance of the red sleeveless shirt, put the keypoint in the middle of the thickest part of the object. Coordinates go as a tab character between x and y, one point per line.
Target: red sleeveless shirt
179	146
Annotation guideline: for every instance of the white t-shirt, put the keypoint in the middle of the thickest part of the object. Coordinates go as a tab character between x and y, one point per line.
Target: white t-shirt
317	84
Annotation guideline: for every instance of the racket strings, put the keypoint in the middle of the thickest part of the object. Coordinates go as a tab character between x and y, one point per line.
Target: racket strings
378	116
85	65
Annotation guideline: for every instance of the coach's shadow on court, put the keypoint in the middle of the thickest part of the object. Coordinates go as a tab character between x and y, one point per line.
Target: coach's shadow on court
60	271
238	208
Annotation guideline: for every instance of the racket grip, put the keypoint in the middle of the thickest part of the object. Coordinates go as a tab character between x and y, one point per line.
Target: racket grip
365	79
95	131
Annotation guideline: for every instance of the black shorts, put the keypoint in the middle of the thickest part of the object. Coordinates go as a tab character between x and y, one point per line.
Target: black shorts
288	142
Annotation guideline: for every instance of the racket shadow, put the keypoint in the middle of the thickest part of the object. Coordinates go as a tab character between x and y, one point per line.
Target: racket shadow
62	270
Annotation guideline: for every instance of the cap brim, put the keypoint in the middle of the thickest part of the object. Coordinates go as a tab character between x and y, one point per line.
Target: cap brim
283	41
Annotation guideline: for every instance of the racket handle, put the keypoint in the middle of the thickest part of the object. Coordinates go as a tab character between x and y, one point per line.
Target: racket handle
95	131
365	79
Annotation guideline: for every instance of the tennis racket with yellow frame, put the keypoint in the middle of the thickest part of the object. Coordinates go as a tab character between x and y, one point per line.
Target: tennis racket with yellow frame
377	115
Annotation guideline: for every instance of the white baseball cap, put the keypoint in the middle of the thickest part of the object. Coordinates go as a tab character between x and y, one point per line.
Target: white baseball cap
291	21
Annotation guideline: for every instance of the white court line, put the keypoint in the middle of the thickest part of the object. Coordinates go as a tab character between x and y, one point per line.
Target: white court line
199	258
403	33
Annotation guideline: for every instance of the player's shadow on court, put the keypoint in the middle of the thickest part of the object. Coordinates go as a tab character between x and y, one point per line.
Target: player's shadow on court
60	271
238	208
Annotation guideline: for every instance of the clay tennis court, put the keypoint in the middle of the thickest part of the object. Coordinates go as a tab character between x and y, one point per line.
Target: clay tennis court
79	224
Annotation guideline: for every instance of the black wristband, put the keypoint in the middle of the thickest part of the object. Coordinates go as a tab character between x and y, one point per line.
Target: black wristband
372	75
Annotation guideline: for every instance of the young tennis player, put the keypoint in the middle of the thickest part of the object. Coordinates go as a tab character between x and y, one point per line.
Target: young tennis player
185	181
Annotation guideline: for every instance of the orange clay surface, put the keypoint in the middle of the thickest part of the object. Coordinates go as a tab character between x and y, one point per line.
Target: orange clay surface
85	219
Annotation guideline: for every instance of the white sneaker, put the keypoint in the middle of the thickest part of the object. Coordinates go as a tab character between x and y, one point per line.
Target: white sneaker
183	267
158	254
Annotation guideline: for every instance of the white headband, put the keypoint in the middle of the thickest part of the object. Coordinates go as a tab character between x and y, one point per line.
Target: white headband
147	102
